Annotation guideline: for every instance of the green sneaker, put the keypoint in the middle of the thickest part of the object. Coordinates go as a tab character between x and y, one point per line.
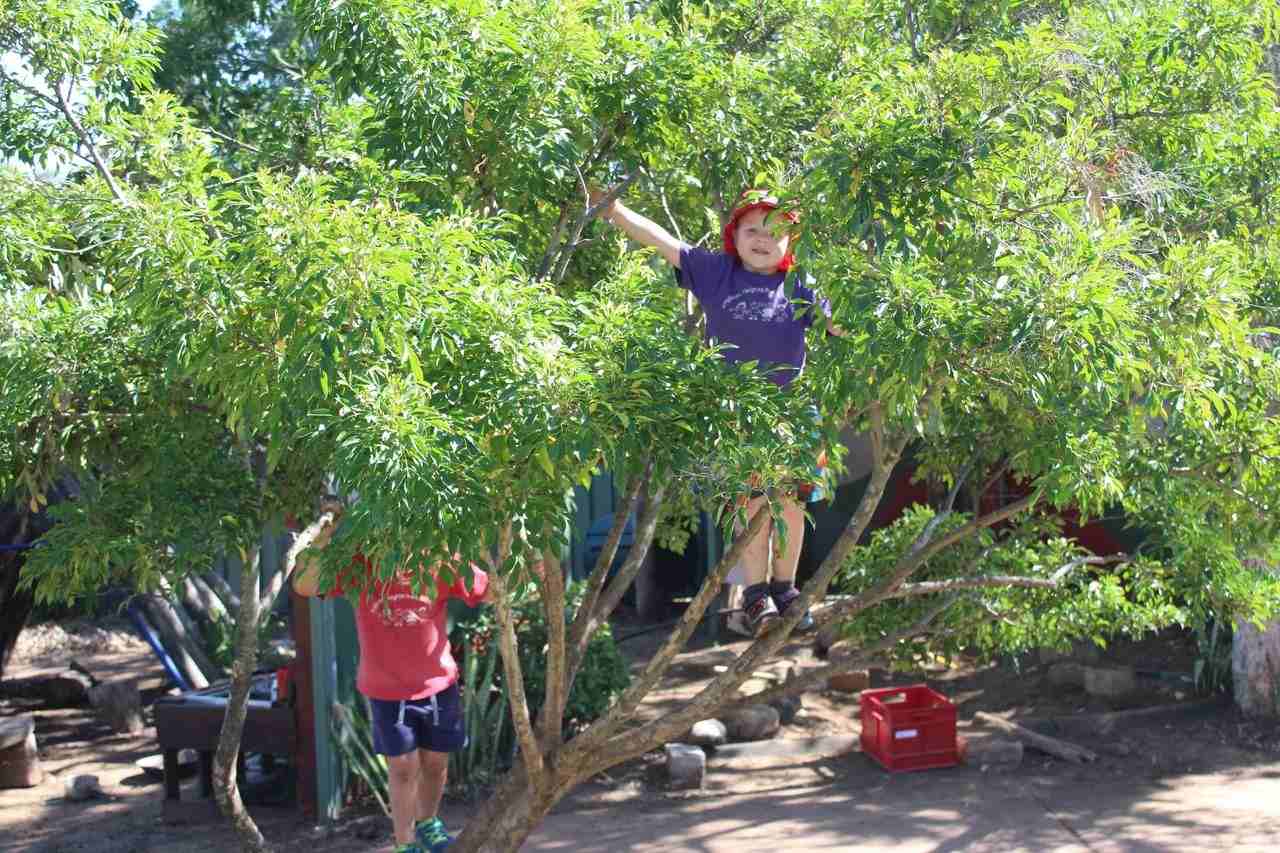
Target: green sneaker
409	848
431	835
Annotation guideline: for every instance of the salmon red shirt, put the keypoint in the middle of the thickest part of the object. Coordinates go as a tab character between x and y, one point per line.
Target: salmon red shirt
404	641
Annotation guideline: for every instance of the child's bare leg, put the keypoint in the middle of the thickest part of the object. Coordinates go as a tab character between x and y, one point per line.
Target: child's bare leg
755	558
433	772
786	560
402	781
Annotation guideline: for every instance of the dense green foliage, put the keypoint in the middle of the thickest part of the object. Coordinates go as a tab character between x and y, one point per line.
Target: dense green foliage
350	240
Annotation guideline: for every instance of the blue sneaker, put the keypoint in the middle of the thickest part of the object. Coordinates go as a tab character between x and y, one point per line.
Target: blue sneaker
431	835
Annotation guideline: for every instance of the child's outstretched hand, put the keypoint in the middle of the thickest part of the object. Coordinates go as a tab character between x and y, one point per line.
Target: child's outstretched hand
596	195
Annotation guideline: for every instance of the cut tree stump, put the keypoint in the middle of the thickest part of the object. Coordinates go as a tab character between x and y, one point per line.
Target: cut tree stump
19	758
118	704
1052	745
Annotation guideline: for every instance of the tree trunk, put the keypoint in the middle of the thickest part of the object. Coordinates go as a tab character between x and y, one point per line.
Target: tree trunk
15	604
225	789
1255	669
18	528
507	819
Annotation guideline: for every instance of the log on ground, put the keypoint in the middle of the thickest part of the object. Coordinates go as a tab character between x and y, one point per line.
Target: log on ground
1052	745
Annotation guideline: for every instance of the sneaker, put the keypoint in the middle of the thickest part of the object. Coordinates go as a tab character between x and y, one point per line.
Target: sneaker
408	848
431	835
783	600
761	613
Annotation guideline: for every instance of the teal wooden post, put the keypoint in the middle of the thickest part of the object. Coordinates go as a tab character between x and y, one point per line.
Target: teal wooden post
330	777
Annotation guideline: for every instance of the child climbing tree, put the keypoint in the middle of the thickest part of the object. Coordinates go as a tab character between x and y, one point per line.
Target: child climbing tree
1048	230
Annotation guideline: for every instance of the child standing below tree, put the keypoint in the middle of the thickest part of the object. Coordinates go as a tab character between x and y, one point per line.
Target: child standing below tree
742	291
410	678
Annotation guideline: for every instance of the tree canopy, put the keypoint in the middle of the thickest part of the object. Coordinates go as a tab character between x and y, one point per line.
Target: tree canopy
257	249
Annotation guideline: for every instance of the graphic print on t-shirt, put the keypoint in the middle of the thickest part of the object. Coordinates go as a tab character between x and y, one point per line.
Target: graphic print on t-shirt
757	303
400	608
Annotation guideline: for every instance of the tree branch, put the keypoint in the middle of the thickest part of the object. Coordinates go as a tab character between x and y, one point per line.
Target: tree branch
987	581
514	676
888	452
589	212
920	552
865	657
600	731
553	245
556	688
99	162
302	540
583	622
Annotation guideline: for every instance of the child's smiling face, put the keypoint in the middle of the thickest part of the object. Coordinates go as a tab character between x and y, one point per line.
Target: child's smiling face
761	239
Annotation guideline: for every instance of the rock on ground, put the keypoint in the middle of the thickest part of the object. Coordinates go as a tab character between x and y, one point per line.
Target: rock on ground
752	722
686	765
708	733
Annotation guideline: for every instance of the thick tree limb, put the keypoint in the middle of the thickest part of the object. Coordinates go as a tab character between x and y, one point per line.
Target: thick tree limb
580	631
646	528
226	792
888	451
303	540
600	731
864	658
511	668
555	688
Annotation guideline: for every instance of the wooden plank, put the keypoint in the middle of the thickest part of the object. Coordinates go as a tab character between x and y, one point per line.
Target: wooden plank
304	705
1052	745
182	725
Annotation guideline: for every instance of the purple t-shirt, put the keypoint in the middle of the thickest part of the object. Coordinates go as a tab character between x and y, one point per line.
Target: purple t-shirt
750	312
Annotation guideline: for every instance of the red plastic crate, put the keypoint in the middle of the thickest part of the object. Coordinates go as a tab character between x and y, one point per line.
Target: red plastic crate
909	728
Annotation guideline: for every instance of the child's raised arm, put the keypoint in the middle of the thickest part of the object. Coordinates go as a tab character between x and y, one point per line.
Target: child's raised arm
641	229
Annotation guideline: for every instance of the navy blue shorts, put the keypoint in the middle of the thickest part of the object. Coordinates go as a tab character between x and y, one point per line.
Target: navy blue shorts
433	723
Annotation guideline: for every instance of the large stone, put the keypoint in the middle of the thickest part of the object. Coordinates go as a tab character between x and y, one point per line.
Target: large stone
984	750
752	686
19	758
708	733
1255	668
16	730
686	765
1109	682
82	787
850	682
752	722
1066	674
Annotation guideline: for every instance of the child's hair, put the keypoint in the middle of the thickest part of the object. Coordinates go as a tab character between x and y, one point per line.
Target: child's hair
757	200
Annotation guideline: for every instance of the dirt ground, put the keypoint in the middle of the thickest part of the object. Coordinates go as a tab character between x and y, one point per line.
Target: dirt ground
1206	738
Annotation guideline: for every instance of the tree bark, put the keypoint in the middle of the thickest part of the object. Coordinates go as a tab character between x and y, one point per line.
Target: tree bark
225	789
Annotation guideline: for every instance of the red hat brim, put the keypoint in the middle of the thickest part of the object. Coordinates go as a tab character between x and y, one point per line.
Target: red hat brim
730	227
